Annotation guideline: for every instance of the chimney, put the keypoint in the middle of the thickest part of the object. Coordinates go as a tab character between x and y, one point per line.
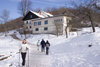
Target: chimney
49	13
40	12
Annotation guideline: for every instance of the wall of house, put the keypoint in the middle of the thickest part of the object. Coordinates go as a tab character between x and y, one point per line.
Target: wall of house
51	26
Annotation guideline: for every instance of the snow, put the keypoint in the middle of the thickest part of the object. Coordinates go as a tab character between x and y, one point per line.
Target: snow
64	52
37	14
46	14
8	47
43	14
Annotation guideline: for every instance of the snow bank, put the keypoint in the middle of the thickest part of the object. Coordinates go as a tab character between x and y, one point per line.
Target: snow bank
76	53
8	47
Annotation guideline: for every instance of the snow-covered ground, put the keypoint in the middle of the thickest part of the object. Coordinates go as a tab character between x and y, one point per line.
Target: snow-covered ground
64	52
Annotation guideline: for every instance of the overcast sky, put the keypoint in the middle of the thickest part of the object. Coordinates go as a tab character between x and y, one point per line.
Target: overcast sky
11	5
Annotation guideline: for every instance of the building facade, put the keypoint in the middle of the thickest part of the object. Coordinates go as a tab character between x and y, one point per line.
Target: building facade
44	23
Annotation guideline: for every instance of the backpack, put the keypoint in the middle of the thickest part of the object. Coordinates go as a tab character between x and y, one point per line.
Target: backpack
47	45
38	43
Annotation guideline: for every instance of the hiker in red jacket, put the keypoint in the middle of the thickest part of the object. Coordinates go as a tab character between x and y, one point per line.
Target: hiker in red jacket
42	45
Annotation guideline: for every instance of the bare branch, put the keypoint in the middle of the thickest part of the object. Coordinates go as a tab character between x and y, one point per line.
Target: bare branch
24	6
5	16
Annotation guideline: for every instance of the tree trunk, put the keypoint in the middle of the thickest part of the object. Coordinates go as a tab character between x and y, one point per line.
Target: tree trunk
57	31
25	33
57	34
5	32
66	32
92	24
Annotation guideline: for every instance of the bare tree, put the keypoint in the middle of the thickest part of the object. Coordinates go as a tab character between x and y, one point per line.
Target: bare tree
57	27
24	6
37	9
86	11
96	5
54	11
5	18
47	9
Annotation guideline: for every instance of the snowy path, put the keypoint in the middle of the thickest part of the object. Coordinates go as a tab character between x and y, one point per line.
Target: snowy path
38	58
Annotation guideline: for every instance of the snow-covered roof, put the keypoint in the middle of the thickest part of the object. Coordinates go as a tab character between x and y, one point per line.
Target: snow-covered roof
42	14
46	14
37	14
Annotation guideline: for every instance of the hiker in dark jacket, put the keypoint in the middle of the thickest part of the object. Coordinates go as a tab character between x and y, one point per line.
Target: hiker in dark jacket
47	47
42	45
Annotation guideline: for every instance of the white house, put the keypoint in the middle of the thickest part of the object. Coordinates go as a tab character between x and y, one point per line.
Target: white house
43	22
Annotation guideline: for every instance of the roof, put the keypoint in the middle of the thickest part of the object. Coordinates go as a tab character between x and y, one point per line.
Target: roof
45	14
41	16
48	17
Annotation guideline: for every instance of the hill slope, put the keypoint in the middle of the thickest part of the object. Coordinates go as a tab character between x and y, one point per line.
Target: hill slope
12	25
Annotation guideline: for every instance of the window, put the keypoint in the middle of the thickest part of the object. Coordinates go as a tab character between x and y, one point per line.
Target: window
30	22
46	22
39	23
26	27
37	29
27	22
57	20
30	16
30	27
61	19
35	23
46	28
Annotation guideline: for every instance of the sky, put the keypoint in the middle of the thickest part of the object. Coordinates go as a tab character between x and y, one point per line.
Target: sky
12	5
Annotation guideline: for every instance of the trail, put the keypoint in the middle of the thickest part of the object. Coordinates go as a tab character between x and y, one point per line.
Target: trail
38	58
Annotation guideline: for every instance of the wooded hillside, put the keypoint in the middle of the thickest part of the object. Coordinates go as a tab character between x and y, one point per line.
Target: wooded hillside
12	25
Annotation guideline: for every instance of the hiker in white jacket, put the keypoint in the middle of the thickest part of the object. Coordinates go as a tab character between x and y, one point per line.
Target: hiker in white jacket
23	49
38	44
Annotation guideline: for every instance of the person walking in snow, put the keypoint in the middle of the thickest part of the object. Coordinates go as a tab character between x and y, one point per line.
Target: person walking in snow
47	47
38	44
42	45
23	49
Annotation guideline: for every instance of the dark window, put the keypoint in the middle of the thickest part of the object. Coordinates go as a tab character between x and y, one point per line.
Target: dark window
30	27
37	29
35	23
39	23
26	27
46	28
27	22
46	22
61	19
